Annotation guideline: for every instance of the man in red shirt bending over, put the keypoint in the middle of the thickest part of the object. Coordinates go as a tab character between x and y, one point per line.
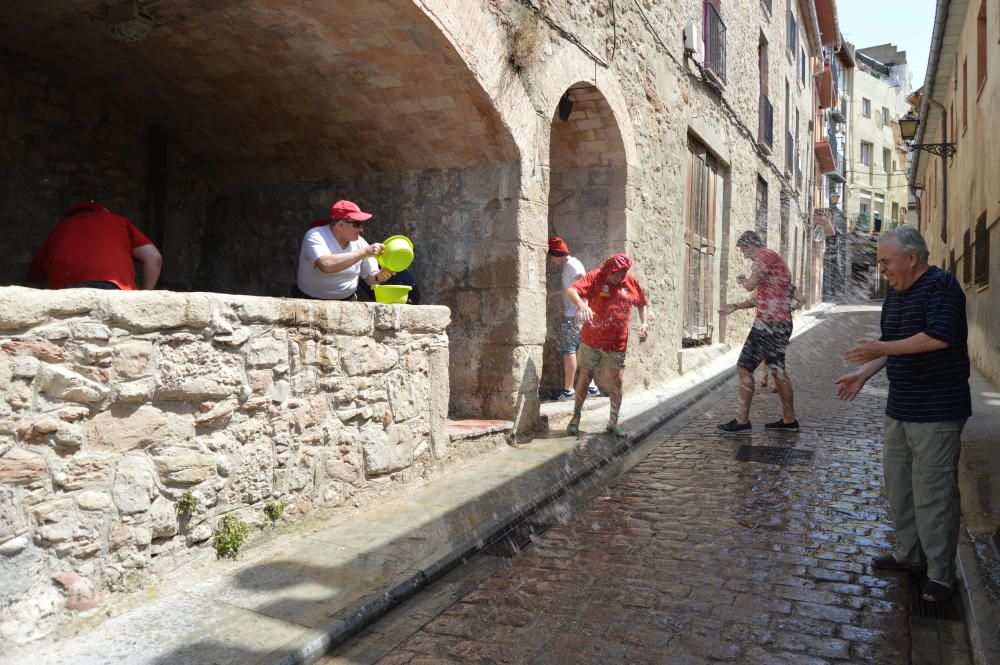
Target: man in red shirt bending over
769	335
95	248
604	300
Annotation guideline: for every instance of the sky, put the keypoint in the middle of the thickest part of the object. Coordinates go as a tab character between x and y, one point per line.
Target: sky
906	23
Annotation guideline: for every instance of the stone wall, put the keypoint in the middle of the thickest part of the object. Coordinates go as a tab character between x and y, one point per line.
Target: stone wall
116	405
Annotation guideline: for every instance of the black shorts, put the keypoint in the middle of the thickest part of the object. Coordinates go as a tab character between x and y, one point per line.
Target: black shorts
768	344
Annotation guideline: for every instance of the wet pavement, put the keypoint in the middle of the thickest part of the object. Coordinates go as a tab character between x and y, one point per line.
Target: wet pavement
694	557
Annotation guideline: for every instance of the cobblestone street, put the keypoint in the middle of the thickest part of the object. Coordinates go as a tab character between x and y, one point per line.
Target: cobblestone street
696	557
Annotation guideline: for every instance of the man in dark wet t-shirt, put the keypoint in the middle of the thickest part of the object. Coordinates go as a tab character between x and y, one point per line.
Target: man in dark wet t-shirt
923	348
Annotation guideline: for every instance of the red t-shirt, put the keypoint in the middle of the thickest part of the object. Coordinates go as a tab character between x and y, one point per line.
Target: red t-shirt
773	302
612	305
91	246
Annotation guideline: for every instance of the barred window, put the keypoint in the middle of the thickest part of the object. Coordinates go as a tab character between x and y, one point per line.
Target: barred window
982	252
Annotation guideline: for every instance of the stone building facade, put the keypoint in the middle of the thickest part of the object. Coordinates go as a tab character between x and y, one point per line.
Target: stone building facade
877	182
475	127
959	214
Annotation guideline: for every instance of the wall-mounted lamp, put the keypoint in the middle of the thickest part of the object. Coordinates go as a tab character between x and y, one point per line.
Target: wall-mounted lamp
834	198
908	129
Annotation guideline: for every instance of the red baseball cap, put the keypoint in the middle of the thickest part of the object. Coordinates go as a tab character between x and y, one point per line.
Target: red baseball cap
348	210
557	244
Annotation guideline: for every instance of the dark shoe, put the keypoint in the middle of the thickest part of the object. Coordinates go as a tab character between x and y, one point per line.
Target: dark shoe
733	427
937	592
889	562
564	395
593	391
781	425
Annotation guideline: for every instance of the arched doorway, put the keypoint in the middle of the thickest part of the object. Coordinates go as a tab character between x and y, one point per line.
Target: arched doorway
587	177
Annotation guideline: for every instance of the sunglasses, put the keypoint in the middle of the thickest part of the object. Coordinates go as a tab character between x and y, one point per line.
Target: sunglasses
356	225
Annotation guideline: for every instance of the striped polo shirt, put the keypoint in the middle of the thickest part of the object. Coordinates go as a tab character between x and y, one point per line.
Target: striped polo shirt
933	386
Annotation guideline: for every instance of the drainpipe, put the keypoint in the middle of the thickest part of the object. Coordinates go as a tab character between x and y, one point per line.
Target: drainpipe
940	19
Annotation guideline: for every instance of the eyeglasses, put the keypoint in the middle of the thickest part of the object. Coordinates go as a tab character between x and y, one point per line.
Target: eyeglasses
356	225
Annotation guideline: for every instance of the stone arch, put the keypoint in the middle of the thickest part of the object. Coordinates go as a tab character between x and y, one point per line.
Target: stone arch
588	173
266	112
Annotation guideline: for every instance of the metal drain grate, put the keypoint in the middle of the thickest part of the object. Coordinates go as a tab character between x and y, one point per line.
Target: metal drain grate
510	542
773	455
949	610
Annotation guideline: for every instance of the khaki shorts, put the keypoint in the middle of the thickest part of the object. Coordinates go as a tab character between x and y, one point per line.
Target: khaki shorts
590	358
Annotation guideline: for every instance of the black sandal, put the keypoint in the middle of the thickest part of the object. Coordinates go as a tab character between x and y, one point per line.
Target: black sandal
890	562
936	592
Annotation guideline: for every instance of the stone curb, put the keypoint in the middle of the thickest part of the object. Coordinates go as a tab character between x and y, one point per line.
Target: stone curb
981	619
350	621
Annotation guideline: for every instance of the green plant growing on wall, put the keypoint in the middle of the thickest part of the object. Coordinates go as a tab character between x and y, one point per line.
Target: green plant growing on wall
275	509
188	504
229	536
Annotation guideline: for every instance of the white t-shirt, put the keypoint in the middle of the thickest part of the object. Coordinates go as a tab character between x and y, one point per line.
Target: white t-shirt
314	282
572	271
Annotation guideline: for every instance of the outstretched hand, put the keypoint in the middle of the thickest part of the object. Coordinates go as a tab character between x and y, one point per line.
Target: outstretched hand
726	310
585	313
849	385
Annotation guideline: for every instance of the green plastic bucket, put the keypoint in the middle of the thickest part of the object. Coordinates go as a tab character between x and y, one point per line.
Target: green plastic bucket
391	294
398	254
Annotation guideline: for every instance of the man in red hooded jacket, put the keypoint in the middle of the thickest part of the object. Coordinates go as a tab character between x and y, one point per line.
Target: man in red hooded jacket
94	248
605	298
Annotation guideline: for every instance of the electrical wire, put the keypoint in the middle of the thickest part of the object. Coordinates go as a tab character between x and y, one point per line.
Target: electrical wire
565	34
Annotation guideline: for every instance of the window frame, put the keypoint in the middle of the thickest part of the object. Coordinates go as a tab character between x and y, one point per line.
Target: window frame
866	107
861	153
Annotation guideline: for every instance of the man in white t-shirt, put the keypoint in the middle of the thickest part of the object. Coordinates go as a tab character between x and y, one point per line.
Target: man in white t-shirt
334	256
569	329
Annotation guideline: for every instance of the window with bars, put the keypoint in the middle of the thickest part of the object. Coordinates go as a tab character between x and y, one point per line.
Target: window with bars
703	188
982	252
714	31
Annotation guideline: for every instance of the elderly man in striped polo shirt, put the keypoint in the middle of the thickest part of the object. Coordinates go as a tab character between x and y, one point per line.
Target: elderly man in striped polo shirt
923	348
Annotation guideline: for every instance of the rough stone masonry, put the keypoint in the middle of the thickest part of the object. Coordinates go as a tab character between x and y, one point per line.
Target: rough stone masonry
115	405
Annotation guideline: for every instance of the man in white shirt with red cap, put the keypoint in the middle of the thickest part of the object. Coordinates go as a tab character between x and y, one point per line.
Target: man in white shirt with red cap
334	257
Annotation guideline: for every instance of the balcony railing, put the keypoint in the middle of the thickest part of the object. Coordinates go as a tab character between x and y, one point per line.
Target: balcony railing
765	126
715	42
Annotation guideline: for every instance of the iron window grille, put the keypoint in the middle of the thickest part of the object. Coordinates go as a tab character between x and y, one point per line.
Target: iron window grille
715	42
789	153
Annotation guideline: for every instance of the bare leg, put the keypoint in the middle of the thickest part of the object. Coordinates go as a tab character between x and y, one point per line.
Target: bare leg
783	383
763	376
615	377
582	381
569	370
746	395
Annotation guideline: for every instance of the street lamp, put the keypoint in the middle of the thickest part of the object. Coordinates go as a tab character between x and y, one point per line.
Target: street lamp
834	198
908	129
